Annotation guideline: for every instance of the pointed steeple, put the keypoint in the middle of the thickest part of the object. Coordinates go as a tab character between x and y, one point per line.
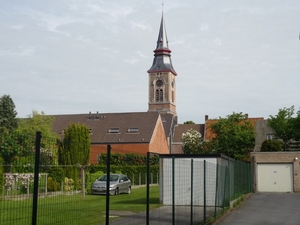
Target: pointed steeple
162	54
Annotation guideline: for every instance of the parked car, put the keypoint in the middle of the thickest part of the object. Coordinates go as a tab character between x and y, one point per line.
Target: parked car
119	183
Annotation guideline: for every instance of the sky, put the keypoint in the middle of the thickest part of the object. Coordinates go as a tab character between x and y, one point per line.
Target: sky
81	56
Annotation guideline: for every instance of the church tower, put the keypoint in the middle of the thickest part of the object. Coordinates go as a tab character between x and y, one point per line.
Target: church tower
162	85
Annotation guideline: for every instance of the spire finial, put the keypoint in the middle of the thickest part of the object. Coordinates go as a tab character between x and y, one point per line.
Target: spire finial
162	6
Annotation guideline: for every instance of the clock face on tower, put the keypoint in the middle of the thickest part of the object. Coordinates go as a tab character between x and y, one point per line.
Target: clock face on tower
159	83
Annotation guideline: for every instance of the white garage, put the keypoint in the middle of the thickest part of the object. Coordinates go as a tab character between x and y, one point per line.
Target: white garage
275	177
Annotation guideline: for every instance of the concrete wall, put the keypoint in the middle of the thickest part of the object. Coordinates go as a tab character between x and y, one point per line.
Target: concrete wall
277	157
261	130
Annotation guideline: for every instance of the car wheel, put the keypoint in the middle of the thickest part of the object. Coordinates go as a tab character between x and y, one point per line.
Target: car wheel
117	191
129	190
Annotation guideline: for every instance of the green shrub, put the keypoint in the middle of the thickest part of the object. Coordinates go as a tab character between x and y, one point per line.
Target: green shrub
57	174
1	175
90	179
271	146
127	159
52	184
130	171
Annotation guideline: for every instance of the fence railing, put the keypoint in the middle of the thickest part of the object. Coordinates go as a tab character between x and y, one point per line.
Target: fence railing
186	190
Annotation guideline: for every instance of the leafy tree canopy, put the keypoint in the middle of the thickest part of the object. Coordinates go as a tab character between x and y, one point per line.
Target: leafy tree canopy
38	122
15	145
8	113
43	123
285	125
189	122
234	136
271	146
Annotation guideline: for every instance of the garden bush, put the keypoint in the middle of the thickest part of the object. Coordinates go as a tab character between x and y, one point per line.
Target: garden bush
271	146
52	184
1	175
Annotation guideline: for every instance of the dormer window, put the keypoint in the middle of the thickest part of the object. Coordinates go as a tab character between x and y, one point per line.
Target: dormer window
133	130
114	130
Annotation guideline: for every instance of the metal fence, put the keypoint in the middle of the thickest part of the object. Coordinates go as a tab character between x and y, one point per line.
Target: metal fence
188	190
195	189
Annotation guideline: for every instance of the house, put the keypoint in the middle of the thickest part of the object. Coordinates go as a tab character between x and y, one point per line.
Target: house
136	132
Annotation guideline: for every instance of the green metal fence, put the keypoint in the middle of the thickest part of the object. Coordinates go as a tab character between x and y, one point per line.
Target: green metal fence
197	188
188	189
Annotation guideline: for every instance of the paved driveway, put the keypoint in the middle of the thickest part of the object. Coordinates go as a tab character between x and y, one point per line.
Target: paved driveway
266	209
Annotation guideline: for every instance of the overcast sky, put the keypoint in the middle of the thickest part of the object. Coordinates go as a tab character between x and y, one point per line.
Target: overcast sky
81	56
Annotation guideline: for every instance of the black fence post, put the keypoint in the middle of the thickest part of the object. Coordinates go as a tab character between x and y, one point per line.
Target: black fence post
148	188
107	184
204	190
36	177
192	189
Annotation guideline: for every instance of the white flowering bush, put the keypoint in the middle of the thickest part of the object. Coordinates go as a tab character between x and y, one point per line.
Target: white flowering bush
192	142
18	180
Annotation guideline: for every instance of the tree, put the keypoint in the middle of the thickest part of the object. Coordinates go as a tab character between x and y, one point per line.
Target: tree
75	150
284	125
14	144
234	136
8	113
43	123
296	125
271	146
192	142
189	122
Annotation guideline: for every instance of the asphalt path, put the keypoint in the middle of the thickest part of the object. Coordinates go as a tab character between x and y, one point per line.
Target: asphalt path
265	209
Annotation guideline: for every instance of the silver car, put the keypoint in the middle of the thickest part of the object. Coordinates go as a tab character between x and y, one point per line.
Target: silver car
119	183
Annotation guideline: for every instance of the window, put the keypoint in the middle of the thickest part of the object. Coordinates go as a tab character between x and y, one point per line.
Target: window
133	130
270	137
159	95
114	130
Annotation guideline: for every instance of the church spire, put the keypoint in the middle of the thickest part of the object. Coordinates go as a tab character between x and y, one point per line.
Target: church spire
162	76
162	54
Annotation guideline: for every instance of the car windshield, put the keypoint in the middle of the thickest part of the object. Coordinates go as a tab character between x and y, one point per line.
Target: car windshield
112	178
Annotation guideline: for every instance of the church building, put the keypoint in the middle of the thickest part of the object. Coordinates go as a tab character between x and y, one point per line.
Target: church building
136	132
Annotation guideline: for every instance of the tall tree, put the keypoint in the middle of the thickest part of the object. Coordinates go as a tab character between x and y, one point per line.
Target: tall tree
297	127
283	125
234	136
192	142
43	123
8	113
75	150
15	145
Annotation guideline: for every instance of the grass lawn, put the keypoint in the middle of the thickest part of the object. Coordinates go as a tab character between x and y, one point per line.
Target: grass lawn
74	209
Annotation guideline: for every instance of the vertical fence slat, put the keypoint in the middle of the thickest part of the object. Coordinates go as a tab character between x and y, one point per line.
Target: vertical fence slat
36	177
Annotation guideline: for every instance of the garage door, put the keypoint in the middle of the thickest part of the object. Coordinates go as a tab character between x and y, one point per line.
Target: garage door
275	177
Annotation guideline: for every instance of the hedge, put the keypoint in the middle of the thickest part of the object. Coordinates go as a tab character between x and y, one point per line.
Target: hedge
133	172
1	175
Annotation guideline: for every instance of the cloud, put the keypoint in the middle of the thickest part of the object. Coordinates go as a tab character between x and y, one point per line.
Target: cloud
19	51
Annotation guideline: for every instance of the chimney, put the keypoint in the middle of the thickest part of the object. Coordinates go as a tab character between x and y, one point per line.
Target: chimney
206	117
